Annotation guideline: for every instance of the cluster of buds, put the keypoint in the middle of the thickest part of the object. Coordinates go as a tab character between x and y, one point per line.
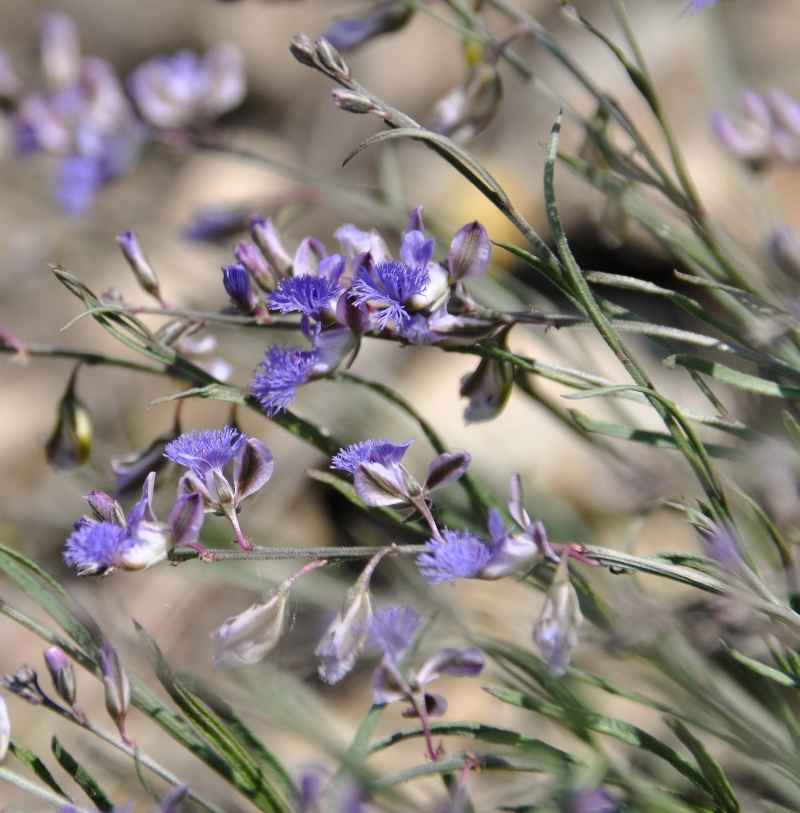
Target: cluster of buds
84	116
24	683
769	133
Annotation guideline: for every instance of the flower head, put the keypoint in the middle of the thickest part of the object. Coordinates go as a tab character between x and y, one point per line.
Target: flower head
458	555
369	451
393	630
206	450
390	284
280	374
94	547
696	6
307	294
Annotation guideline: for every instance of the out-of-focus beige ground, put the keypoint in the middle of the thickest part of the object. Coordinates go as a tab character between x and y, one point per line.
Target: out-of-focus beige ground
289	116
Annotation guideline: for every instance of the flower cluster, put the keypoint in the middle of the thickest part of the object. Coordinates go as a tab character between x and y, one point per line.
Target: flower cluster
84	116
361	290
108	540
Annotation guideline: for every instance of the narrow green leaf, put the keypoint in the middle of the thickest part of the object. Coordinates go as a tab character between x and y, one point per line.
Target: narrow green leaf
712	770
778	675
246	776
242	732
792	427
624	732
727	375
82	777
456	155
658	439
213	392
33	763
550	758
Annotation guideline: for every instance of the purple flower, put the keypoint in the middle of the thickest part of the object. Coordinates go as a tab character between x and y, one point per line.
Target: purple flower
216	224
393	630
459	555
204	487
281	373
353	242
307	294
380	451
77	181
186	89
597	800
95	547
389	285
237	285
205	451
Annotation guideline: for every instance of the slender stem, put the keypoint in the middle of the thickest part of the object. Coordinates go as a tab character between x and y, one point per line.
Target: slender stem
35	790
267	554
145	760
92	359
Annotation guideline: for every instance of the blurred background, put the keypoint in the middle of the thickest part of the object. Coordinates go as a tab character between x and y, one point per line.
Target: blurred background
584	492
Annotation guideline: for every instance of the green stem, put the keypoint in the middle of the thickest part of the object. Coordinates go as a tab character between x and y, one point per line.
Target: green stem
35	790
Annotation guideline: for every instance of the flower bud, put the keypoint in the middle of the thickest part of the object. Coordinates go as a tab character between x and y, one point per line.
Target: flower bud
468	110
132	251
488	389
386	17
353	102
331	59
62	673
266	237
117	685
248	637
105	509
71	442
24	683
250	257
237	285
470	252
347	635
556	631
303	50
5	729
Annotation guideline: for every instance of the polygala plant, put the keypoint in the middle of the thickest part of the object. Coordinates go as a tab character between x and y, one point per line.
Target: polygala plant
722	728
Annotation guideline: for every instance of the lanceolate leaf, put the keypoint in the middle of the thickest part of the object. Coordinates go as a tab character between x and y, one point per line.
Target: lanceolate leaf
727	375
246	776
624	732
658	439
82	777
31	761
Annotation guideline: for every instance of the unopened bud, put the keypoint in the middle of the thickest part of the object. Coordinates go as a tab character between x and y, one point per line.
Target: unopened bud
117	686
349	32
238	287
5	729
70	444
353	102
468	110
303	50
248	637
331	59
556	631
25	684
250	257
62	673
132	251
266	237
347	635
784	251
488	390
470	252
